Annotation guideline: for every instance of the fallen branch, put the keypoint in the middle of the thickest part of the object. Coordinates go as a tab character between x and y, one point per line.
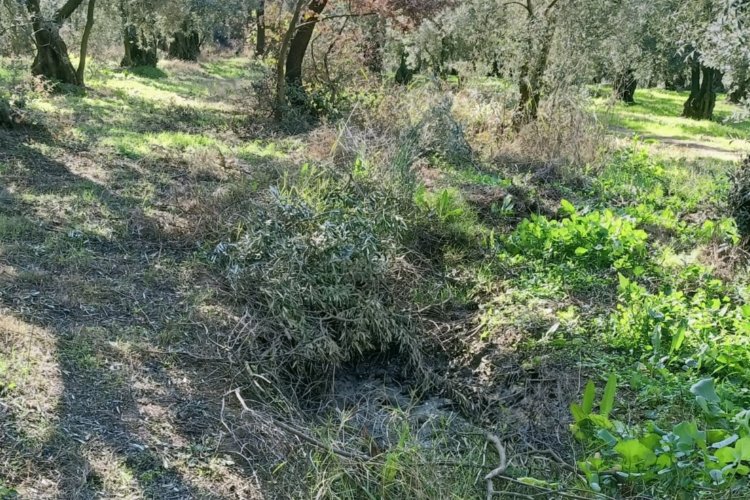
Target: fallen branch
303	436
499	470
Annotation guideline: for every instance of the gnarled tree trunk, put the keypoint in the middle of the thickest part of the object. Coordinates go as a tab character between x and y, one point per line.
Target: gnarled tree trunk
700	104
136	54
185	45
531	78
624	86
297	50
52	61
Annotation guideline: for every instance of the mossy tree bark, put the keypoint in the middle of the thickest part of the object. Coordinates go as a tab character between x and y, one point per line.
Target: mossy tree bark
138	51
531	75
531	79
136	54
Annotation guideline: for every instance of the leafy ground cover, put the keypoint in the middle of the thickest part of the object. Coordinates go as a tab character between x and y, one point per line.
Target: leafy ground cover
161	245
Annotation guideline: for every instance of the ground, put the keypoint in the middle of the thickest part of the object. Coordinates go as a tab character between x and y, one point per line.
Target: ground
97	276
113	323
655	119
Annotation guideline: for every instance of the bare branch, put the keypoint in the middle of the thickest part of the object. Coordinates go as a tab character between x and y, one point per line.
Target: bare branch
525	6
66	10
500	469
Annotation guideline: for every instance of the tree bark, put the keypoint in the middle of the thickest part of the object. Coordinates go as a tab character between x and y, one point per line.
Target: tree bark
297	50
624	86
281	90
700	104
52	60
80	72
740	87
531	79
185	45
260	22
135	54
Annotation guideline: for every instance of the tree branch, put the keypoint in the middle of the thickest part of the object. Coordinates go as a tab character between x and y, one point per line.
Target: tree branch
66	10
526	7
335	16
549	7
500	469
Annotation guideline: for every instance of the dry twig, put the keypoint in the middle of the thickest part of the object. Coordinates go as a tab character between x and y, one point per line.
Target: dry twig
303	436
500	469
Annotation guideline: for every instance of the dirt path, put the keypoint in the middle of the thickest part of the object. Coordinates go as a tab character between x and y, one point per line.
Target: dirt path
678	147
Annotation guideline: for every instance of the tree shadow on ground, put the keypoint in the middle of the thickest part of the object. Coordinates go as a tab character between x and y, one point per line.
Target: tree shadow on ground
93	291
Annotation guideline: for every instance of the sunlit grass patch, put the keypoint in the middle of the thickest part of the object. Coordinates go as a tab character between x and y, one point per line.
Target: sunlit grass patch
234	68
253	150
138	145
656	115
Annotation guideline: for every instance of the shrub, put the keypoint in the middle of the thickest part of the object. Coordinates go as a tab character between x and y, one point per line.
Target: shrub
321	258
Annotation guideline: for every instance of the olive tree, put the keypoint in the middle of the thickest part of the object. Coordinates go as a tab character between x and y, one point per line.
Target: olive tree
52	60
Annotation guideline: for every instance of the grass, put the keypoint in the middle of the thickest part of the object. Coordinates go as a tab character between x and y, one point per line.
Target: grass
656	117
120	329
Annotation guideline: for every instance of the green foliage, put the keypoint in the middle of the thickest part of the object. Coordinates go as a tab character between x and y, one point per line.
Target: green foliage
689	457
703	330
446	204
7	493
632	174
739	198
598	239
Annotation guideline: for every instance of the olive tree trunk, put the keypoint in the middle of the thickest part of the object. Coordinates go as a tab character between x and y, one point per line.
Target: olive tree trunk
700	104
52	60
297	50
135	53
740	86
81	71
185	45
624	86
260	22
281	90
531	79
